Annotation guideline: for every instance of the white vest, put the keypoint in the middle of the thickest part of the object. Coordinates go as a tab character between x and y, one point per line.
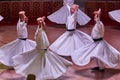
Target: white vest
71	20
98	30
21	29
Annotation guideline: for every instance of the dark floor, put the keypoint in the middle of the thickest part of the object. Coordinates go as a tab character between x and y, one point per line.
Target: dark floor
8	33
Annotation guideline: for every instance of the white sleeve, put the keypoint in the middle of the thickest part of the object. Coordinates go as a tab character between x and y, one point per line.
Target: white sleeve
36	32
68	7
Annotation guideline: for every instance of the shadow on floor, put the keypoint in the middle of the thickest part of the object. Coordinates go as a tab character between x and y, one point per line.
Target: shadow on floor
109	72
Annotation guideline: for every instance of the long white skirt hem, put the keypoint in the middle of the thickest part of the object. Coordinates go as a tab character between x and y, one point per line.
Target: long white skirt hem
14	48
43	64
100	50
70	41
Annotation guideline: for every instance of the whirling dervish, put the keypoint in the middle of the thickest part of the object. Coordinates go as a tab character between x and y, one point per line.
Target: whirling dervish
102	51
72	39
41	61
18	46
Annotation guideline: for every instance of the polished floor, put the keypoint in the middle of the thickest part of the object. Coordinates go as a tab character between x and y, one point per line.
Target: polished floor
112	36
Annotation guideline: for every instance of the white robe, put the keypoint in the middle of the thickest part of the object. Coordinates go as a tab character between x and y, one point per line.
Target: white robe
115	15
17	46
100	50
71	2
1	18
70	40
60	16
40	61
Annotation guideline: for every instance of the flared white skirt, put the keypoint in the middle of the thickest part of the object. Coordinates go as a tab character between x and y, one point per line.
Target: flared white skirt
14	48
70	41
43	64
60	16
115	15
100	50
